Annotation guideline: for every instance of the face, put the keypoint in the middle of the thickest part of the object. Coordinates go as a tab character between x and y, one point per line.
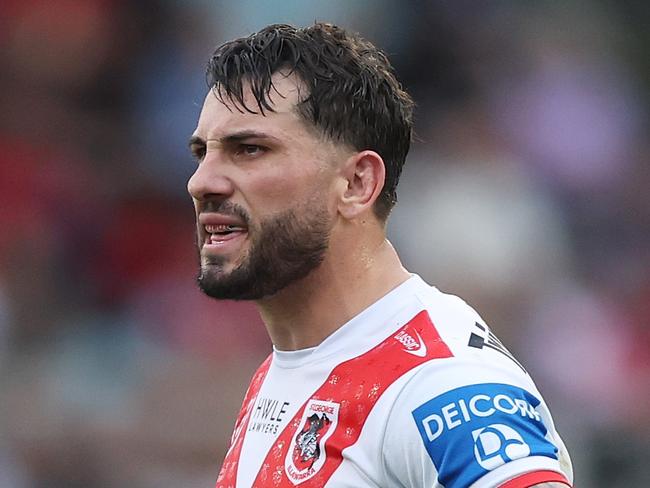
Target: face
263	196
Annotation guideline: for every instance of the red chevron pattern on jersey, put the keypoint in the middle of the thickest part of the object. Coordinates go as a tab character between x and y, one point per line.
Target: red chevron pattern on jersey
351	391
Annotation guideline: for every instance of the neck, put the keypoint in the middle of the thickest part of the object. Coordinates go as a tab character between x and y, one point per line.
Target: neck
305	313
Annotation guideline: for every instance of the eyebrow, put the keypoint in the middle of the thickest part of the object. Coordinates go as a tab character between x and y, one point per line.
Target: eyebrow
233	138
196	140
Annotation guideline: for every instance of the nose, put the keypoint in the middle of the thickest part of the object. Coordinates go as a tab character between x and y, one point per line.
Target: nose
209	182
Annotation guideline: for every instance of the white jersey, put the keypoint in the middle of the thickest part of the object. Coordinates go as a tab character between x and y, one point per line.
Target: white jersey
415	391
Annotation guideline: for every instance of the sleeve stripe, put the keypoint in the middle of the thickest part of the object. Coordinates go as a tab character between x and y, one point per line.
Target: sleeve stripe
531	479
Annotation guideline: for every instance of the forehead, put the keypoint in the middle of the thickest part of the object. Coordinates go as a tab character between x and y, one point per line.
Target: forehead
219	118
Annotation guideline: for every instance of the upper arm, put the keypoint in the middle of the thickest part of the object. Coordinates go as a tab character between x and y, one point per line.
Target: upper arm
480	434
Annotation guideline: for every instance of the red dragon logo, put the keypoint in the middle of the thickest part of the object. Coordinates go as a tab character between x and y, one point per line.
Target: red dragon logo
307	451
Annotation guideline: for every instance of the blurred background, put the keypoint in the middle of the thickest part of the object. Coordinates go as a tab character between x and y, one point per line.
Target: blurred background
526	192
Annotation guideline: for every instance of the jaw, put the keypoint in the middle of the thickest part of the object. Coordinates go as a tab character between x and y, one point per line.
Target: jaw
220	262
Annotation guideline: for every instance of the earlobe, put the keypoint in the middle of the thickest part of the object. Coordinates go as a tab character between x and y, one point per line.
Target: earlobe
365	174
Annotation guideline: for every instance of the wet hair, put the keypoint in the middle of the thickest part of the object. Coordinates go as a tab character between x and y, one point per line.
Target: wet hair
352	93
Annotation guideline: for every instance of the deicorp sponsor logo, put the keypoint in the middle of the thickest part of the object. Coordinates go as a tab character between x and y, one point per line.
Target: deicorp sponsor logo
498	444
481	405
474	429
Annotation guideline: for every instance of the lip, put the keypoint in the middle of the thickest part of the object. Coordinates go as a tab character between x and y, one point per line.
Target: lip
221	244
206	218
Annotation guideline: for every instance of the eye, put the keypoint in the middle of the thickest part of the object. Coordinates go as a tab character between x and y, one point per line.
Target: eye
250	150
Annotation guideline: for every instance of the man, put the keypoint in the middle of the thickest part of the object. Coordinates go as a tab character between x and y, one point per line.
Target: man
376	379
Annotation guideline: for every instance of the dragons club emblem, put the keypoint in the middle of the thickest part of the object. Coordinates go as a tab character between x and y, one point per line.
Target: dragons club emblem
306	454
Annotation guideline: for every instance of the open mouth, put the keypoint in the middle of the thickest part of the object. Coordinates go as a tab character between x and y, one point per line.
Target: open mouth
219	233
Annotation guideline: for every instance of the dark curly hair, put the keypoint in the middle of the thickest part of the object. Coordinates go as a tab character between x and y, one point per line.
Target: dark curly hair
353	95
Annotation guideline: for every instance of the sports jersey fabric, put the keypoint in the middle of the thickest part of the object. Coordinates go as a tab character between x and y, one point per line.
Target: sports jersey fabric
415	391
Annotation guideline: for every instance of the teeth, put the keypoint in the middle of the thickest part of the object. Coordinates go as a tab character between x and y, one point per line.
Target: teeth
213	229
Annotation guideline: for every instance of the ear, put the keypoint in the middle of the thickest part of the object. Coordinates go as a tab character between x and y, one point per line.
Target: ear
364	173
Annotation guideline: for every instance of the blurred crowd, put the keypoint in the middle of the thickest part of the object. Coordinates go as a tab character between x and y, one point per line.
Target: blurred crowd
525	193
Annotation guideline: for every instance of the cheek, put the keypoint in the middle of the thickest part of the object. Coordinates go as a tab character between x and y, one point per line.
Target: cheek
285	187
278	191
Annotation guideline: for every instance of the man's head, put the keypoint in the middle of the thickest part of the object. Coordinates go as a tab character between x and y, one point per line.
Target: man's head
351	94
302	129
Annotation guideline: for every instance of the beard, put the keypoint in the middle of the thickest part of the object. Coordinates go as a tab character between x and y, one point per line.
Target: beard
284	249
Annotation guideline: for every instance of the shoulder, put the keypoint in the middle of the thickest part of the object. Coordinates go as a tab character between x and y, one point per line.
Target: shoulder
472	416
464	332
